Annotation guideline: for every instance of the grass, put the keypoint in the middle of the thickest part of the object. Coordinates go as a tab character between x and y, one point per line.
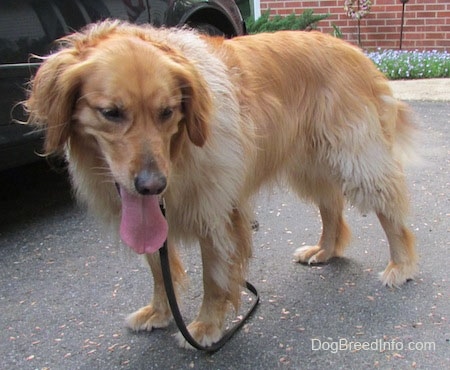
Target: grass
399	64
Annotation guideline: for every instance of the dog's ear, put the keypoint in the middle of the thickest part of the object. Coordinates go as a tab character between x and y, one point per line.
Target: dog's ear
197	102
52	96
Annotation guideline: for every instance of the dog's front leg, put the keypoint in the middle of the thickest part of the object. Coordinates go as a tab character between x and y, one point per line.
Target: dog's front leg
157	314
207	328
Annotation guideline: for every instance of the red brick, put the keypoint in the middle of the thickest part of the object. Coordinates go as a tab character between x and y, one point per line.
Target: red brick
436	7
432	36
438	21
415	21
298	4
387	2
444	42
420	7
377	22
413	36
340	23
333	11
426	14
408	15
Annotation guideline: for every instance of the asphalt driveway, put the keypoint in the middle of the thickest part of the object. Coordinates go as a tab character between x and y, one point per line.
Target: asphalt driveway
66	288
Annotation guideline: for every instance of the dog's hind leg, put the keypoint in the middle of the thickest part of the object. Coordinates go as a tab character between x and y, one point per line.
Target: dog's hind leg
403	263
335	232
157	314
392	212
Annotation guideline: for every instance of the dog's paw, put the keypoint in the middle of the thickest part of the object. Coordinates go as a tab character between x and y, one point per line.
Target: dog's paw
396	274
148	318
204	333
311	255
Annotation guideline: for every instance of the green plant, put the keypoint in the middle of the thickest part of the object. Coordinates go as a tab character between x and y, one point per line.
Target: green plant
306	20
337	32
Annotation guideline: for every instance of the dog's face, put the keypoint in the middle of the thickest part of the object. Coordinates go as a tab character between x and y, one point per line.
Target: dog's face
131	102
135	101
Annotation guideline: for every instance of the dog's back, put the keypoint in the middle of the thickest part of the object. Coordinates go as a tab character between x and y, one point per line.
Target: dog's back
315	102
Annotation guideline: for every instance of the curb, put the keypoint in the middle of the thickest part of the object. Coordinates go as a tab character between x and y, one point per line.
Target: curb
436	89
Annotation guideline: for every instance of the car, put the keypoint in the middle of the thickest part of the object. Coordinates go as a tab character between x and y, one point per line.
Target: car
30	27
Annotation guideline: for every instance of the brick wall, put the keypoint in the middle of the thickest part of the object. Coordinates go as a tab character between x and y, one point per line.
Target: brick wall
426	25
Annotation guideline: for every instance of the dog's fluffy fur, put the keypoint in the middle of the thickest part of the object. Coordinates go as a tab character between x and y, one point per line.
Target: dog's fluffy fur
303	108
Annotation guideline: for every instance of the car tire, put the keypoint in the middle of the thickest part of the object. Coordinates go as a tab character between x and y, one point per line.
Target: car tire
207	29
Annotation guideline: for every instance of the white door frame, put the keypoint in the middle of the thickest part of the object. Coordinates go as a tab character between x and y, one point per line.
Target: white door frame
256	9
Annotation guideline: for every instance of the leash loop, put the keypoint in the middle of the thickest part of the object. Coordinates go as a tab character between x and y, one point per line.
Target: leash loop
171	297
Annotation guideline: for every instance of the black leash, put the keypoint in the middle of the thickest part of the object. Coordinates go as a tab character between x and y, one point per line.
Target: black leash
170	292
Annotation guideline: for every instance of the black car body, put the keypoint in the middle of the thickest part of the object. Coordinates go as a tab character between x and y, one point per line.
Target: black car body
30	27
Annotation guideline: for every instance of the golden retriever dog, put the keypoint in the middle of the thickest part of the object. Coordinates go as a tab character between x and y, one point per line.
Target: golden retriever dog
204	123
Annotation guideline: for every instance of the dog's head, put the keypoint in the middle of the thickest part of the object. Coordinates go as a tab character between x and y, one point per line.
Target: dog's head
133	99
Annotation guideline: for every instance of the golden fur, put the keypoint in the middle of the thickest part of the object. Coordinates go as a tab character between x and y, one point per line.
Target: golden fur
303	108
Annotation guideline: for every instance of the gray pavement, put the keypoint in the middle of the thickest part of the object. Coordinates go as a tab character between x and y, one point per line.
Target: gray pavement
66	288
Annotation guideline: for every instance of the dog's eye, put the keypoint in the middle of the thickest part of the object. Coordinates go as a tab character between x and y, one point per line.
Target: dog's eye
112	114
165	114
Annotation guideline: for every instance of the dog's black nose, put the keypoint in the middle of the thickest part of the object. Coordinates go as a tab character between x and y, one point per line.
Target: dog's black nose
150	182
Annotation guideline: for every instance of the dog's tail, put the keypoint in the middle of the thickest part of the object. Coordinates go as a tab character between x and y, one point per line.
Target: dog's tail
407	136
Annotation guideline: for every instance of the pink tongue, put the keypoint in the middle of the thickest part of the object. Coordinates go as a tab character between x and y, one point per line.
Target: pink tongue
143	227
